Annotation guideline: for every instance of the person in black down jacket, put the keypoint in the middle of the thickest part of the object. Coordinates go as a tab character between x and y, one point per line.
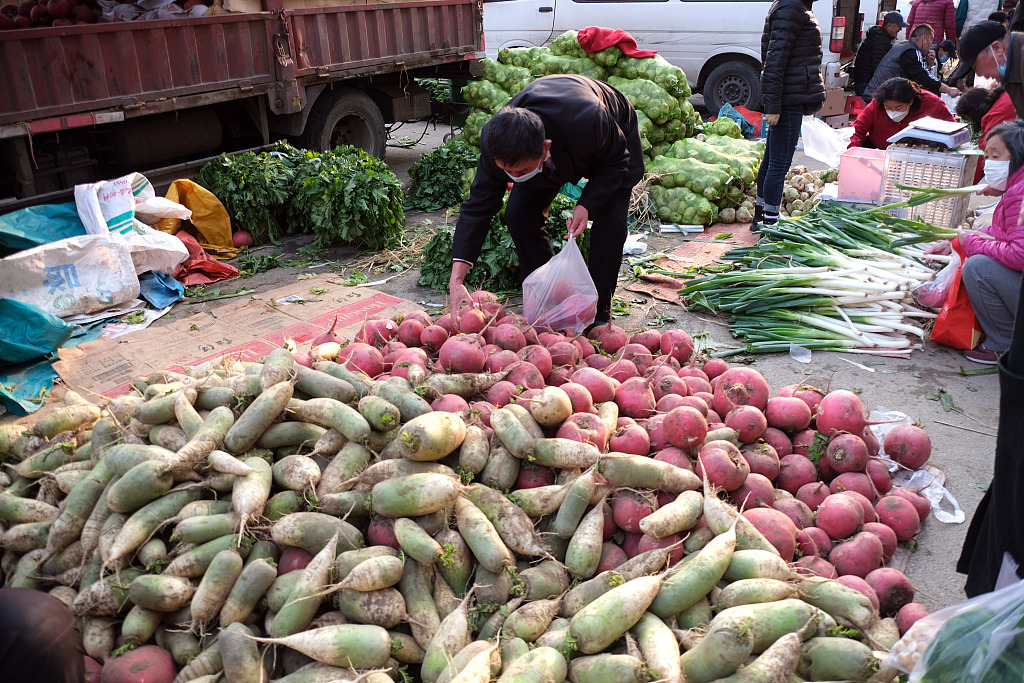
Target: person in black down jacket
875	46
791	88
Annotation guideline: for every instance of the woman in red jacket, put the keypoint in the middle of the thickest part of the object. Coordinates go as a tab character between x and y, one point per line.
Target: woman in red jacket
984	109
895	104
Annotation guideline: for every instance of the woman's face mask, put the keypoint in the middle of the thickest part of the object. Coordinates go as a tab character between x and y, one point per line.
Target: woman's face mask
997	172
943	59
896	116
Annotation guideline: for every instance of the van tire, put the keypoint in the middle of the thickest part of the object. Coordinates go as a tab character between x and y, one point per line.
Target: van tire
345	116
736	83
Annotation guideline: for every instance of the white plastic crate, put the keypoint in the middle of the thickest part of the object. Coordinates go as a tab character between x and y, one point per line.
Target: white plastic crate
925	168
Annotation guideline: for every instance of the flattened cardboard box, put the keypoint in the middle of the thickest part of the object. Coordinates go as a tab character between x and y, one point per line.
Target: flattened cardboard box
249	327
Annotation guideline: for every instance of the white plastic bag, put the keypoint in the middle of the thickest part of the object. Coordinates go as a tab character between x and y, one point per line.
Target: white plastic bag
71	276
109	208
824	143
561	294
933	293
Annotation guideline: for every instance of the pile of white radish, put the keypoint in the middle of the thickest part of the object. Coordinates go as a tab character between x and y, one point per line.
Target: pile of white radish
498	504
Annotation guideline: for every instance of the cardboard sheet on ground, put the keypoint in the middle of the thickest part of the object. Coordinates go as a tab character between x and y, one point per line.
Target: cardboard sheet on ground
251	326
699	251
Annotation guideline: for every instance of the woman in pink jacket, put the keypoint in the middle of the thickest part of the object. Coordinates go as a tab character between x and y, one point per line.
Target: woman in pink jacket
995	255
939	14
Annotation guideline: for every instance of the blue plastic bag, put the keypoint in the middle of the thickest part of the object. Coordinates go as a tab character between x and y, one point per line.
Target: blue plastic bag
746	127
38	225
28	332
23	388
160	289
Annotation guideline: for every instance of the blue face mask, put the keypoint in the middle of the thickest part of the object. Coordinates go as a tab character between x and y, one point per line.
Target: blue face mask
943	59
1000	69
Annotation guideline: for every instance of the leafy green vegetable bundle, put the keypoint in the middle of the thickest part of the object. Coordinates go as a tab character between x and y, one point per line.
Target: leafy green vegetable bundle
441	179
254	188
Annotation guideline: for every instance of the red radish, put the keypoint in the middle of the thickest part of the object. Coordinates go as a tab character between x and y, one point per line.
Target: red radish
421	316
691	371
609	337
539	356
858	556
39	16
9	23
582	401
865	505
739	387
854	481
714	419
886	535
788	413
404	363
762	459
622	370
860	585
879	474
825	471
492	310
651	339
546	339
675	456
899	515
748	421
293	559
638	355
806	393
584	427
629	507
499	361
392	348
685	427
715	367
839	516
502	393
695	402
796	510
840	411
527	375
847	453
450	403
755	492
584	346
377	332
777	528
909	614
673	385
364	357
146	664
669	402
445	322
697	385
893	588
920	503
635	398
409	332
381	531
810	565
9	10
25	8
611	557
676	343
600	386
302	359
813	541
908	445
723	465
461	354
433	337
803	441
630	544
483	411
871	441
813	494
93	669
59	9
509	337
472	320
632	439
656	430
778	440
609	529
531	476
482	296
795	471
705	396
597	361
649	543
559	375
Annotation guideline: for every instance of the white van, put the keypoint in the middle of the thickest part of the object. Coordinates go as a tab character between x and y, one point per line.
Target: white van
716	42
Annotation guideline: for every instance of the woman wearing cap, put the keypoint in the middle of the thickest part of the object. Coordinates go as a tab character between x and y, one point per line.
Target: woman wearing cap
896	104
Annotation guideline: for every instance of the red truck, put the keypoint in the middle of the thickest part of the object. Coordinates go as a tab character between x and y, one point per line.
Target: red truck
91	101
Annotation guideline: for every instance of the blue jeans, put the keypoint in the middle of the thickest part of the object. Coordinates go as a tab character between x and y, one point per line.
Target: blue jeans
778	156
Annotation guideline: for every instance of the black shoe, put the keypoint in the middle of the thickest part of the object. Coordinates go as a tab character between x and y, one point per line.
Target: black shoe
591	326
755	225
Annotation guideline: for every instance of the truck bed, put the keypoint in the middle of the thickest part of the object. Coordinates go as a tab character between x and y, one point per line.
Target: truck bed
144	67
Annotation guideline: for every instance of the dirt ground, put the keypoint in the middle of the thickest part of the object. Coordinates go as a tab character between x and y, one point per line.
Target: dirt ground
963	439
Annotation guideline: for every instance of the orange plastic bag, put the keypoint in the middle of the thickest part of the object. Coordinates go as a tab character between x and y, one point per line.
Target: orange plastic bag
956	325
209	217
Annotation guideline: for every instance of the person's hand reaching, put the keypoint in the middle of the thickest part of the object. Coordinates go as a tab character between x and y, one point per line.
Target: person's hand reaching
577	223
942	248
458	294
771	119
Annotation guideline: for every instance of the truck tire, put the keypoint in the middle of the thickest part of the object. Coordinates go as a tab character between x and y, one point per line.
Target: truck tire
345	117
736	83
